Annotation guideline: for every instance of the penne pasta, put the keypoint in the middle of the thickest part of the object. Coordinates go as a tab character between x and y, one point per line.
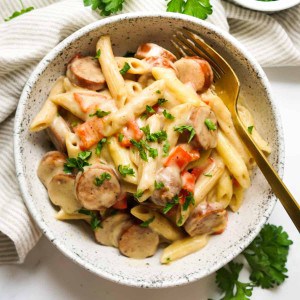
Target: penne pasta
224	190
136	66
237	198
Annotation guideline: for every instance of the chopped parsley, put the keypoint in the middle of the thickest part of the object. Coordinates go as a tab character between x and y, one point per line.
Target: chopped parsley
183	128
158	92
140	148
168	115
98	54
189	199
95	217
100	113
208	175
166	148
147	222
138	194
158	136
77	163
100	146
171	204
126	170
150	109
250	129
210	124
125	68
161	101
120	137
158	185
100	180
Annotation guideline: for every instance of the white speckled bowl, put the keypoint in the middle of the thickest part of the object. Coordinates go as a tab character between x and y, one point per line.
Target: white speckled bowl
267	7
75	239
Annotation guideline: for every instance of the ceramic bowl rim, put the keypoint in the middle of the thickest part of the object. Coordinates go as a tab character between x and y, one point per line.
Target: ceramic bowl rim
19	166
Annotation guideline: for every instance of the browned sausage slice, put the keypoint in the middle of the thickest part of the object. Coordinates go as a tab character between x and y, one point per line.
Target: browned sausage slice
150	49
195	71
212	221
171	179
51	163
112	228
93	196
205	138
86	72
138	242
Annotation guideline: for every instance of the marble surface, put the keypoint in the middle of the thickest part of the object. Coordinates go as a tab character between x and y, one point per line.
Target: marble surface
47	274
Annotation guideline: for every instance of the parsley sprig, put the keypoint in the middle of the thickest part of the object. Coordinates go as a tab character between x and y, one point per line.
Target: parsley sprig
189	199
158	136
100	146
147	222
126	170
77	163
95	217
266	256
142	146
125	68
24	10
100	113
183	128
171	204
100	180
105	7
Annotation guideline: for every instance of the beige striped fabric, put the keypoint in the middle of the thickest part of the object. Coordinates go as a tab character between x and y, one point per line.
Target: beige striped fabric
273	39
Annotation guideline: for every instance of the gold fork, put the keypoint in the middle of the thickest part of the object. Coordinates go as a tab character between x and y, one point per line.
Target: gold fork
188	43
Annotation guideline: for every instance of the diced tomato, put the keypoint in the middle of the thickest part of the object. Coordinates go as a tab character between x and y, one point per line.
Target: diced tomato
182	196
131	131
122	202
87	101
188	181
178	157
89	133
198	171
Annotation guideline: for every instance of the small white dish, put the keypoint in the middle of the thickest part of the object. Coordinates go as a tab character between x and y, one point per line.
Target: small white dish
75	239
267	6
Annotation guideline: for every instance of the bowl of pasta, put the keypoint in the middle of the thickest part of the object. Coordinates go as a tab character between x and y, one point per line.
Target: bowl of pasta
128	159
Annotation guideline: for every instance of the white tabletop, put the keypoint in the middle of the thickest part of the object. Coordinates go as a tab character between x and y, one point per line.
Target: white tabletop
47	274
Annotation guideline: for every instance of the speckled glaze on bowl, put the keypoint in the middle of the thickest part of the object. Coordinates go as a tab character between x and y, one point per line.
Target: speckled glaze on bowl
76	240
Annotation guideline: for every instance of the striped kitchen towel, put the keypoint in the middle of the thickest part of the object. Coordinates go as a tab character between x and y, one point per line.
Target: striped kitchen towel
273	39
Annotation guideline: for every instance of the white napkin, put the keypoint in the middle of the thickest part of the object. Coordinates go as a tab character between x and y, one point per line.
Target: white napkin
273	39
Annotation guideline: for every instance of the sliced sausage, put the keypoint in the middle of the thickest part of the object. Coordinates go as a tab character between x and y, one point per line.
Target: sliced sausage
207	222
170	177
150	49
61	192
86	72
95	197
158	61
195	71
51	163
112	228
57	132
205	138
138	242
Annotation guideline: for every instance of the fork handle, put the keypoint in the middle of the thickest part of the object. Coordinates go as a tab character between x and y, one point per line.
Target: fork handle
280	190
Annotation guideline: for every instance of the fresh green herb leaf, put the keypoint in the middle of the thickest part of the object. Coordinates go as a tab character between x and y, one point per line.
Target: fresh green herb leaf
189	128
171	204
138	194
158	92
105	7
147	222
227	281
19	13
126	170
250	129
168	115
267	256
100	180
196	8
129	54
180	221
100	113
161	101
150	110
77	163
100	146
158	136
98	54
153	152
95	217
208	175
140	147
189	199
120	137
210	124
158	185
125	68
166	148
